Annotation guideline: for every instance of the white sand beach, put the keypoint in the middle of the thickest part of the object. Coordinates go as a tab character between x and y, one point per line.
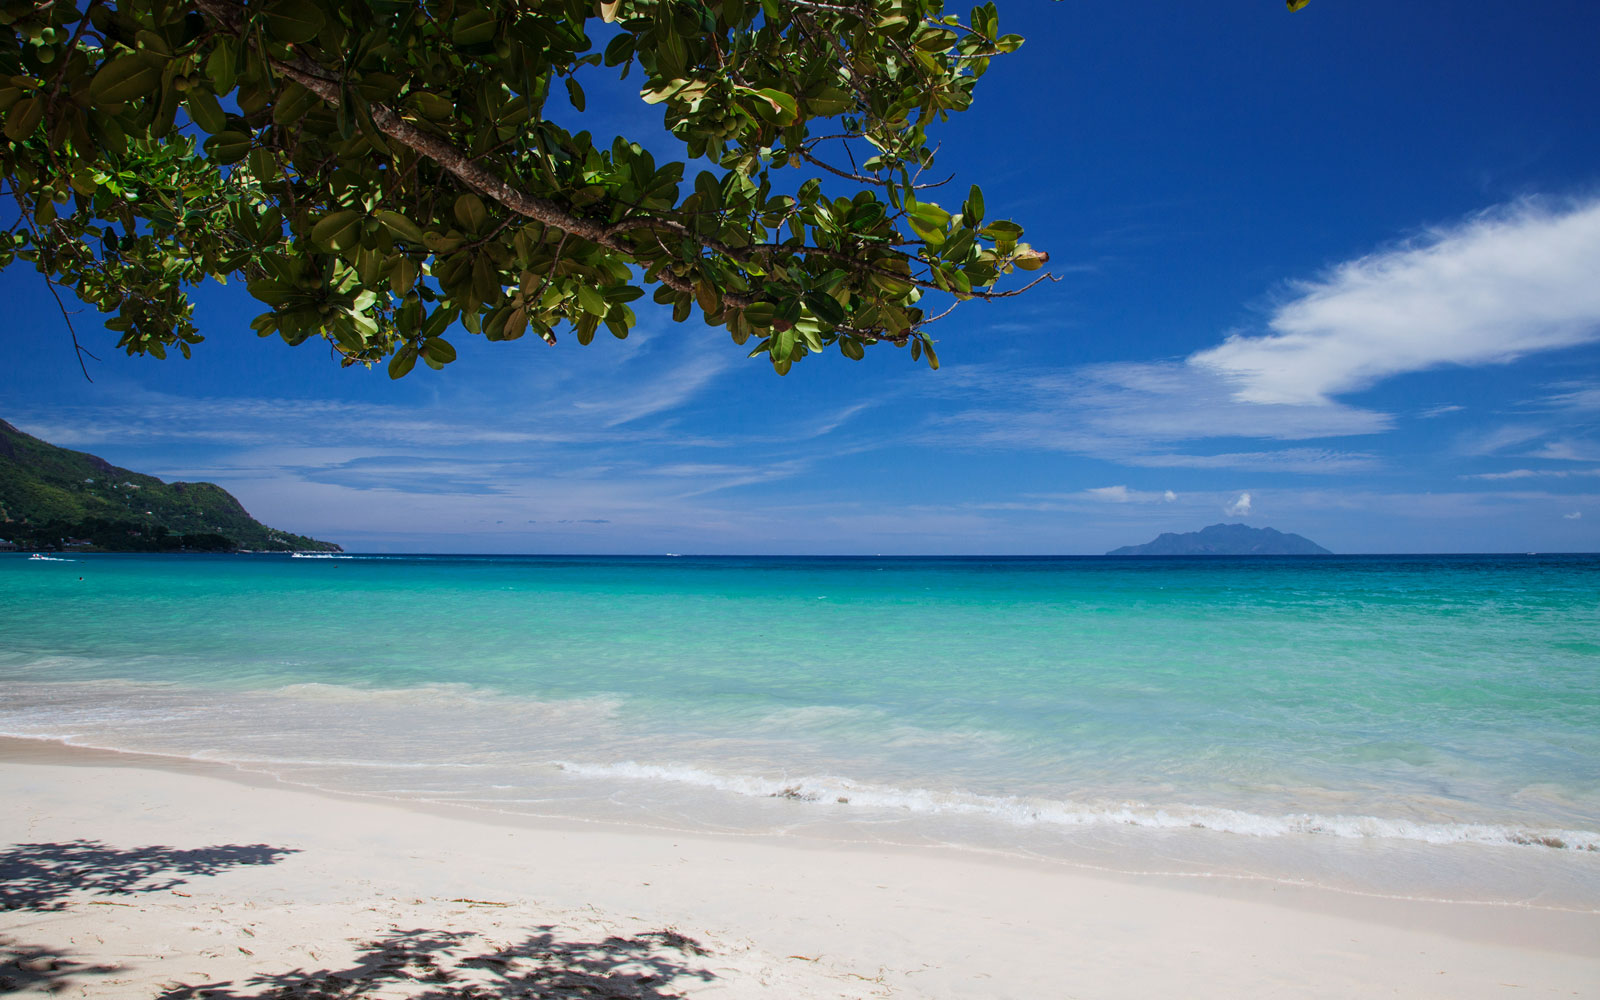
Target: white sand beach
129	876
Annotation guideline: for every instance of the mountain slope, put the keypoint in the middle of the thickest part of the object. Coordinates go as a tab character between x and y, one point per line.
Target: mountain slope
1225	540
49	493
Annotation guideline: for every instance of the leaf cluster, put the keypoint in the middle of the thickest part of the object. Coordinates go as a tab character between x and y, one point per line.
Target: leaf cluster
382	172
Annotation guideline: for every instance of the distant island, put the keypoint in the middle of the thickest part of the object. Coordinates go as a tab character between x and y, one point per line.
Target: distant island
52	499
1225	540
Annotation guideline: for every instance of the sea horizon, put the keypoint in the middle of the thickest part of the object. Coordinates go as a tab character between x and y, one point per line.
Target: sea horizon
1037	556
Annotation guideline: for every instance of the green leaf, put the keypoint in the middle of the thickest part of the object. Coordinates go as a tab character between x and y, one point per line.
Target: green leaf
294	21
403	361
830	101
933	235
294	103
432	105
205	111
24	118
438	349
1295	5
476	26
623	293
620	49
228	147
262	164
471	213
776	106
866	215
221	69
972	211
575	93
338	230
1001	230
672	57
125	78
591	300
760	314
928	213
399	225
826	308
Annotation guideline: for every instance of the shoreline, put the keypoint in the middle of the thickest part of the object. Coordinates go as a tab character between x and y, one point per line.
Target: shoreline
1116	861
1528	874
901	921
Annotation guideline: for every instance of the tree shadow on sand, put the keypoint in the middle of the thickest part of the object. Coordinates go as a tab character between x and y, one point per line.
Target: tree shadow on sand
39	969
445	965
43	877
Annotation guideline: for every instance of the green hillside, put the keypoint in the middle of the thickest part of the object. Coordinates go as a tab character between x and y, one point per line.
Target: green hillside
50	494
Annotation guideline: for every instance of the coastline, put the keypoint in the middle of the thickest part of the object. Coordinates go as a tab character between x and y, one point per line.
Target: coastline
258	879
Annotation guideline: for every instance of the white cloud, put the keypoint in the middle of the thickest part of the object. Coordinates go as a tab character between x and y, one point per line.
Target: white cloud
1176	402
1573	516
1115	494
1501	285
1487	290
1568	451
1313	460
1119	494
1531	473
1574	396
1239	507
1488	442
1134	413
661	391
1096	495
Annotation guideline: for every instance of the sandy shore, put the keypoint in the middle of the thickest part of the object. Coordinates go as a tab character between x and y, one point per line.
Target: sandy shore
127	876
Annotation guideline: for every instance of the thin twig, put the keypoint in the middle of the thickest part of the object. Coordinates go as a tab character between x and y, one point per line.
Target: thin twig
78	349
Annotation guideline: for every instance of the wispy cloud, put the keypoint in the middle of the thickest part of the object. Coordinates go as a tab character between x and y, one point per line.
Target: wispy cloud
1135	413
663	389
1568	451
1582	395
1533	473
1493	440
1309	460
1239	507
1439	411
1501	285
1121	494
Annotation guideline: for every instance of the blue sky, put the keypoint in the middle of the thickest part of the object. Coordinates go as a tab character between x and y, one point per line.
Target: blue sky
1335	272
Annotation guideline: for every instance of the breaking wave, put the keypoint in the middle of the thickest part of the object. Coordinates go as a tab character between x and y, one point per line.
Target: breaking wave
835	792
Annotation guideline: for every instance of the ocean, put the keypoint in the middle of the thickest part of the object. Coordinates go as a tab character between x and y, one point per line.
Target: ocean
1424	726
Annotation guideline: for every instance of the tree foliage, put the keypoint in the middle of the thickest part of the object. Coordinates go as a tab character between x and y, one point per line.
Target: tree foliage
381	171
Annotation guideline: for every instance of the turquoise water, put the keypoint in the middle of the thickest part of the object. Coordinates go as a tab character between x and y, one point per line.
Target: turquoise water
1431	722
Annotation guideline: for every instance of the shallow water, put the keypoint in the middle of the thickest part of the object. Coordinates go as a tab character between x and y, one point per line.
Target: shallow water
1410	725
